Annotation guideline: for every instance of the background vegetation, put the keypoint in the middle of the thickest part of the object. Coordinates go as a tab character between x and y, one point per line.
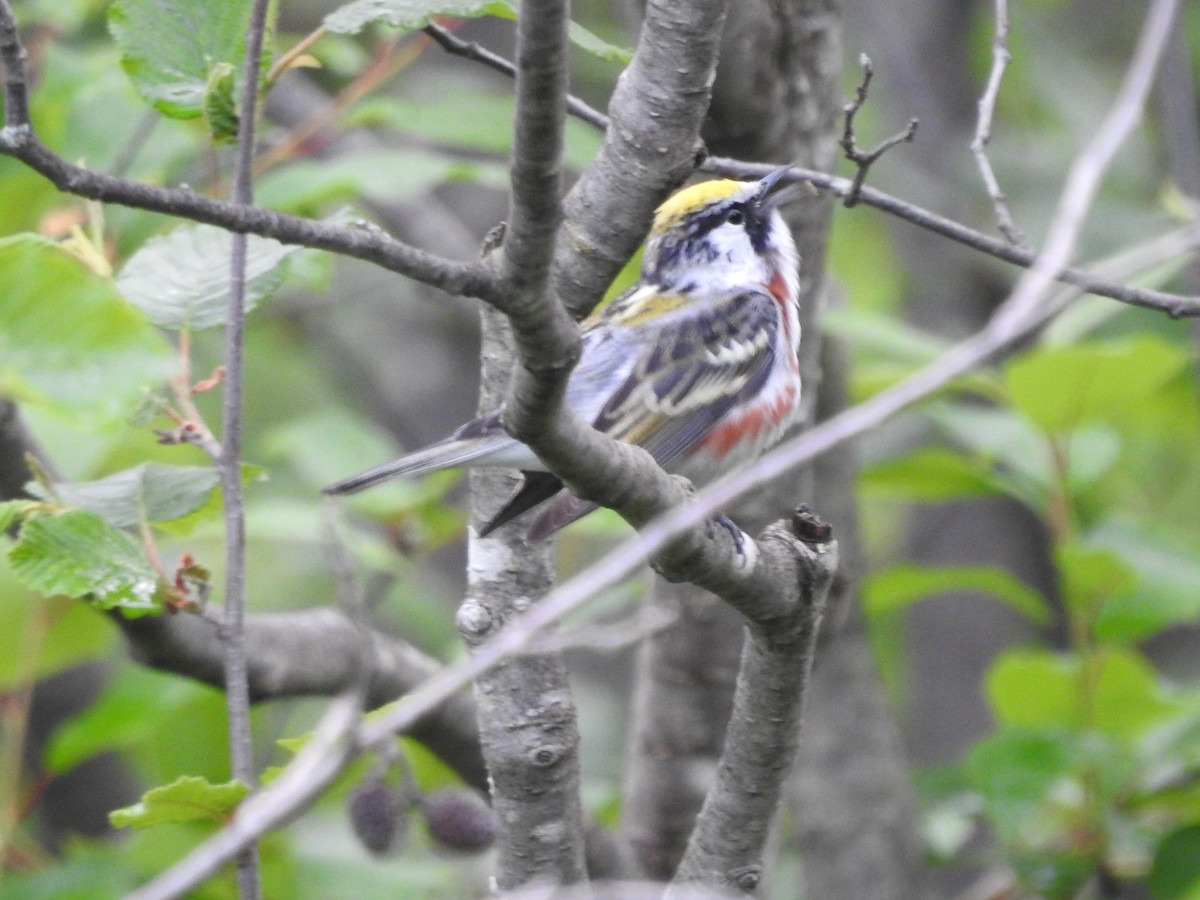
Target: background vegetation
1029	552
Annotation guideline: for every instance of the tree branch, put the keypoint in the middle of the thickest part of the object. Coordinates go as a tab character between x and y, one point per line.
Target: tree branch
726	848
527	716
1015	253
362	240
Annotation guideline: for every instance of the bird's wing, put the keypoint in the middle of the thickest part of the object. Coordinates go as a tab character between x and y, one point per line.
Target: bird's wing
691	371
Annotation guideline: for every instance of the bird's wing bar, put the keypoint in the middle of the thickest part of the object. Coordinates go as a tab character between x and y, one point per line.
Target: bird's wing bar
695	372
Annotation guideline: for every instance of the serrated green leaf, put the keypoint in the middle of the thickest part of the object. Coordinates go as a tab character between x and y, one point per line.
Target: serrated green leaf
1061	388
220	104
930	474
890	590
78	554
169	48
151	492
184	800
181	280
353	17
94	367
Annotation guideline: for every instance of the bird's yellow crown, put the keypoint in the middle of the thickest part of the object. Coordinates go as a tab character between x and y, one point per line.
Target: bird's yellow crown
684	203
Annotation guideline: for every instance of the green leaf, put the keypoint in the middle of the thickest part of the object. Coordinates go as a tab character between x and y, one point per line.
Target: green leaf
1089	576
929	475
884	336
1116	692
220	104
127	715
1167	565
78	554
892	589
1176	871
42	636
410	14
150	492
413	14
181	280
169	48
1015	769
1062	388
594	44
464	117
1023	454
13	510
68	340
184	800
384	176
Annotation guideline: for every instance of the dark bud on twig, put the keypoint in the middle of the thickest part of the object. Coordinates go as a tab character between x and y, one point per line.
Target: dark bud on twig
459	820
809	527
377	812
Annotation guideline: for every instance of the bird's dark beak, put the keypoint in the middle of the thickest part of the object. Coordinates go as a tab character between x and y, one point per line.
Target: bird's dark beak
774	191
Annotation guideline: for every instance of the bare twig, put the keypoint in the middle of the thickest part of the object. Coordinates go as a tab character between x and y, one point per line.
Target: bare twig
983	128
1089	168
451	43
1174	305
285	60
233	632
863	160
362	241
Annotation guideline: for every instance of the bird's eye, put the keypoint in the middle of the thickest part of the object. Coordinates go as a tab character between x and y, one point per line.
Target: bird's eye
735	216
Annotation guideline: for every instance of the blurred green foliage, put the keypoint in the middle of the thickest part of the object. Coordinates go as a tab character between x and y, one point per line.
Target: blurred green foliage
1094	761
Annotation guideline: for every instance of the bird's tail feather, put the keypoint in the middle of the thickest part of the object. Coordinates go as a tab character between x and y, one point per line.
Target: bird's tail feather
448	454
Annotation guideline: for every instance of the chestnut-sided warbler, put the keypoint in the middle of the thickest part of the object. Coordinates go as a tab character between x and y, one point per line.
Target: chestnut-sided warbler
696	363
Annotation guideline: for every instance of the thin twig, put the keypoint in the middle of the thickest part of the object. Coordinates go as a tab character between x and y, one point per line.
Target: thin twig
1174	305
470	279
393	57
1090	166
863	160
286	59
451	43
360	240
233	633
983	128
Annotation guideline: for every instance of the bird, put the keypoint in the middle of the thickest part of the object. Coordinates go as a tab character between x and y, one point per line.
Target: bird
696	362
